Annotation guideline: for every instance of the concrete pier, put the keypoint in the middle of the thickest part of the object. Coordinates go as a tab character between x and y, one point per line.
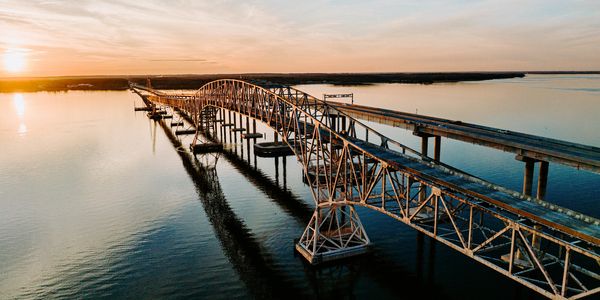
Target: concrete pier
437	145
527	174
154	116
542	180
272	149
252	135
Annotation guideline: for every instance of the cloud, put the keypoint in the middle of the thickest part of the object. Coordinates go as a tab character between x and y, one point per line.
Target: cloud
309	36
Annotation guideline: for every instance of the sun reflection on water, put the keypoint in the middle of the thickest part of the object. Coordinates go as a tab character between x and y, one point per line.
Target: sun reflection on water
22	129
19	103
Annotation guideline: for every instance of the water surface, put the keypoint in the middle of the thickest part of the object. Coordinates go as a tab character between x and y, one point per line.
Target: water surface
96	202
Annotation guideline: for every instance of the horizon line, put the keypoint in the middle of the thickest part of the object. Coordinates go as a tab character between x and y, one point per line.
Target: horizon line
549	72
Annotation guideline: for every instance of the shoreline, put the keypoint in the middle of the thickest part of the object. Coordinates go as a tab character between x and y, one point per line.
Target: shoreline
173	82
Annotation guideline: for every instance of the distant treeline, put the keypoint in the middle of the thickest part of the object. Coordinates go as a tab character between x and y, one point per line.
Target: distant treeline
196	81
562	72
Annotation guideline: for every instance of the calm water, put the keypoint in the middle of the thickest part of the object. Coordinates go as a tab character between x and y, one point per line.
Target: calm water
96	202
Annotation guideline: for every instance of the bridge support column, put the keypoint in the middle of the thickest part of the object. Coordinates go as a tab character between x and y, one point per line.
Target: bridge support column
437	145
542	180
333	233
424	145
229	121
528	174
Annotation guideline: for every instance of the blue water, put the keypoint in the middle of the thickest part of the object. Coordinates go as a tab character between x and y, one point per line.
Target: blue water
96	202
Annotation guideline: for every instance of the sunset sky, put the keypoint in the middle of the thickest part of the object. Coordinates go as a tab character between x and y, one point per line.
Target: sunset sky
43	38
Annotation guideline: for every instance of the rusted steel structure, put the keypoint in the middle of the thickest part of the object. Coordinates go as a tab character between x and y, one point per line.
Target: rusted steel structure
550	249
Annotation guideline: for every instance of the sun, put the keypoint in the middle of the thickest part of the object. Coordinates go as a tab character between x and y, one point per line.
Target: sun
14	60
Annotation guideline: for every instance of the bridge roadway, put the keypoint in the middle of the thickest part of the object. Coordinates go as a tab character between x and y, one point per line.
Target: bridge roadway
527	145
515	210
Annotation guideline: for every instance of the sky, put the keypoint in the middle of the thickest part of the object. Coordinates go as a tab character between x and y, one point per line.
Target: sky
85	37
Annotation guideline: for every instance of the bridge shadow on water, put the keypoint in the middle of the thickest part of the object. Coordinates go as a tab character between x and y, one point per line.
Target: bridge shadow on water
290	203
240	247
256	267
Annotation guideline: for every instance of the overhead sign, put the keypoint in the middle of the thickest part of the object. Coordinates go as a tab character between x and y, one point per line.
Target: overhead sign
351	95
338	95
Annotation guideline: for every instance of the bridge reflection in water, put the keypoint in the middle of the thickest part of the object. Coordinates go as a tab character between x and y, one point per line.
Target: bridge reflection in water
549	249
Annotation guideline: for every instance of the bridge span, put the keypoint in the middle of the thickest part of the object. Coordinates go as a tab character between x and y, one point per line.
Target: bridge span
538	148
550	249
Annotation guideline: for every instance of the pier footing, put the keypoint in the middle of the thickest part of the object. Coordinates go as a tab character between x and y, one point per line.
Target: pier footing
252	135
155	116
333	233
186	131
272	149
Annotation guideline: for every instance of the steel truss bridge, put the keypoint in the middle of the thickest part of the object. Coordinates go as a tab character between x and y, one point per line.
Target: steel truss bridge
550	249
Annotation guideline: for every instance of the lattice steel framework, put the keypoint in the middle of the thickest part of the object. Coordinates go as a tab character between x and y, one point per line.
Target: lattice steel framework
348	164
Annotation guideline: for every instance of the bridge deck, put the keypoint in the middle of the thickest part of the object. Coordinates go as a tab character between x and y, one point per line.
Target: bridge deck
571	224
542	148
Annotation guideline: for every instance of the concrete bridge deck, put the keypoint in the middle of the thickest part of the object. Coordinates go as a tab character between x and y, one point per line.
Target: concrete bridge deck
536	147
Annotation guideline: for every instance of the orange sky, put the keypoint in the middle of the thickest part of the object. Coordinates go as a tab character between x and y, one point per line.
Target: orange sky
85	37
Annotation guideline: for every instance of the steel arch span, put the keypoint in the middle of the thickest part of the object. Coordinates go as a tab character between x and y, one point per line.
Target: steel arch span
550	249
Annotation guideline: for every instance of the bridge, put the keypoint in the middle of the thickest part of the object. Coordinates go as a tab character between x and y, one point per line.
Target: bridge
550	249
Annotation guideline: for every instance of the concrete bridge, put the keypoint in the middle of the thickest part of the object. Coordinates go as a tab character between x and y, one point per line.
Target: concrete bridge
550	249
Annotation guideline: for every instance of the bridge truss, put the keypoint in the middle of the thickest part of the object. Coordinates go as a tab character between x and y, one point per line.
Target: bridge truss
552	250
